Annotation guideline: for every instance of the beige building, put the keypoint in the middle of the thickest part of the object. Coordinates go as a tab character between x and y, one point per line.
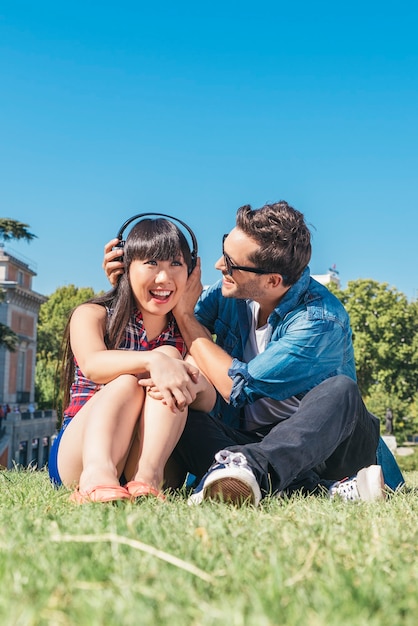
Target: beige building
25	433
331	277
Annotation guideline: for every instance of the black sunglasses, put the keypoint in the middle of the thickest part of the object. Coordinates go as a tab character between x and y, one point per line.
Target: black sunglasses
230	267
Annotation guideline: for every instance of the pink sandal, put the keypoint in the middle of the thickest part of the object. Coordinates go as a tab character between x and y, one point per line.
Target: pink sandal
138	489
101	493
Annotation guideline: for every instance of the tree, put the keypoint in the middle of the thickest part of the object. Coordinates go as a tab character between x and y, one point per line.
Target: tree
53	316
385	330
11	229
385	338
8	338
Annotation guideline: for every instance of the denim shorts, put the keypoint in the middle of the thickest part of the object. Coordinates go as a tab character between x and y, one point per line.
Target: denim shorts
53	455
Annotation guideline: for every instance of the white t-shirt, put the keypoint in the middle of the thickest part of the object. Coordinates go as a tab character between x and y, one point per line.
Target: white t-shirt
265	411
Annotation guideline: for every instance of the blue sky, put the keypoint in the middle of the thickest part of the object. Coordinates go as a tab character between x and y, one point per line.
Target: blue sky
195	108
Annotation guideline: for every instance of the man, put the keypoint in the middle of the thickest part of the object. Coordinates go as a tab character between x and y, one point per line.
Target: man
289	414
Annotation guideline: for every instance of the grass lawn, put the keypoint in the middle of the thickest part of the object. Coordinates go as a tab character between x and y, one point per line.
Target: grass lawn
302	561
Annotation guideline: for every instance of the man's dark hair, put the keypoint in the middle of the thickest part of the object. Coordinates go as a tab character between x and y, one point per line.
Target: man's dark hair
283	237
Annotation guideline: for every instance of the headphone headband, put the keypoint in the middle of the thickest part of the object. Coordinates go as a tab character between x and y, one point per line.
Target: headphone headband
170	217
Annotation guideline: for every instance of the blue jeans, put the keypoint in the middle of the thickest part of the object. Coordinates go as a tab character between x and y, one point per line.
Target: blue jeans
331	436
53	455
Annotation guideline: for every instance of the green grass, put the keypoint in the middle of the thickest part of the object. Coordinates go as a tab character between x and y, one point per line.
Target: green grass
303	561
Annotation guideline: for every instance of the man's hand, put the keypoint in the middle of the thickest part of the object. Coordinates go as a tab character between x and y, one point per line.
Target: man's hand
171	380
113	269
212	360
191	294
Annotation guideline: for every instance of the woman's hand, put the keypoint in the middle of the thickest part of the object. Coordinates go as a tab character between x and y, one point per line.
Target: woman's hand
171	380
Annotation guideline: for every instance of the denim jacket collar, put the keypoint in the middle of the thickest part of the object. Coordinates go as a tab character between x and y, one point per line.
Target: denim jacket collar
294	296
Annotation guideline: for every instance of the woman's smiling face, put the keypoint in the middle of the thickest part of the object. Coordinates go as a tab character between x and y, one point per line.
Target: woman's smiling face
158	285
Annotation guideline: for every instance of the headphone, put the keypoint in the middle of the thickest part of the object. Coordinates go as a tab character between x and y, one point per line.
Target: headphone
170	217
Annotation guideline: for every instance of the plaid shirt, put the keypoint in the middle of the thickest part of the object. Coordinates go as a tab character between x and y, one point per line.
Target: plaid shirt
135	338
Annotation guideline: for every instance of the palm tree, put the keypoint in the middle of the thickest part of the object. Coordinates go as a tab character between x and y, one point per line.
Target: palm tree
11	229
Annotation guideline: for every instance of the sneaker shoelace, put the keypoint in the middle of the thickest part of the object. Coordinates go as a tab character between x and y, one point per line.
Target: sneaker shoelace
225	457
347	489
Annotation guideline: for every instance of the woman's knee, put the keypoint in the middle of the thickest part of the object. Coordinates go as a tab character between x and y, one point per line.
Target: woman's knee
122	392
126	384
170	351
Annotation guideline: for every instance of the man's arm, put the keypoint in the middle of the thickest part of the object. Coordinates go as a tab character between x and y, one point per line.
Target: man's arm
209	358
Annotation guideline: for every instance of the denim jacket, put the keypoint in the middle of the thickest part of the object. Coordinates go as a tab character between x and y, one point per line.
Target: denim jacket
310	342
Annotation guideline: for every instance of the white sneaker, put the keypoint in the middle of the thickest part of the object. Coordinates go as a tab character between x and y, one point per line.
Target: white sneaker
367	485
230	480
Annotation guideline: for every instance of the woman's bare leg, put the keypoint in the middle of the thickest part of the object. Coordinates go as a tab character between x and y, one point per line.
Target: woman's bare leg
159	432
96	443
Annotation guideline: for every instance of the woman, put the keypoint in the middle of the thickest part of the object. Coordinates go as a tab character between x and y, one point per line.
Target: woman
116	437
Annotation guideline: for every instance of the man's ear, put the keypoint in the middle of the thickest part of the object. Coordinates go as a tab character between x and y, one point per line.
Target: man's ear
274	280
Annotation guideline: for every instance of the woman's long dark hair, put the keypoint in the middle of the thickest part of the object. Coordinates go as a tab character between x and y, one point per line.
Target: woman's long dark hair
153	239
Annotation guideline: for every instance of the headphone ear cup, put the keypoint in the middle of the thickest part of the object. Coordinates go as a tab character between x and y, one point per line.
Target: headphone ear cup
194	260
119	245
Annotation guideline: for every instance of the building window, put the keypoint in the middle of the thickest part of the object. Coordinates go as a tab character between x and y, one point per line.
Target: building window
45	450
35	448
21	368
23	453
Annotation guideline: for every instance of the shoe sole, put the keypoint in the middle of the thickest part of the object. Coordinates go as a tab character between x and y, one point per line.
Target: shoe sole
229	490
370	483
